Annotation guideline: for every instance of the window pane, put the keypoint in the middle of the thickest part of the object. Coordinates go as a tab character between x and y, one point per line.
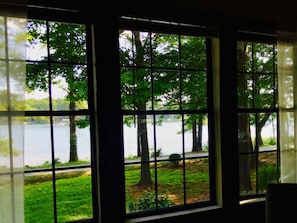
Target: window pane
37	141
138	197
3	85
169	134
170	177
165	114
37	95
58	138
166	89
257	119
71	205
194	90
2	38
165	50
67	42
36	50
71	143
247	176
268	171
193	52
197	179
138	135
256	75
70	82
135	48
136	89
39	203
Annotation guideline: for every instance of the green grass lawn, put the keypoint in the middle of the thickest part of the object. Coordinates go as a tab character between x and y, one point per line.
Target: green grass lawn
74	192
74	198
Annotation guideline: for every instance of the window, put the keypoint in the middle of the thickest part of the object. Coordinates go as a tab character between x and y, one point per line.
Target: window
167	116
169	141
58	154
12	89
257	115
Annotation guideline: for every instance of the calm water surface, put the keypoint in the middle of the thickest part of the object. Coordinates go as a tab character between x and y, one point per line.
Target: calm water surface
37	144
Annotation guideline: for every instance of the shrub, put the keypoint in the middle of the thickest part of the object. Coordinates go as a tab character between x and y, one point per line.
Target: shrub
174	158
267	175
148	201
157	153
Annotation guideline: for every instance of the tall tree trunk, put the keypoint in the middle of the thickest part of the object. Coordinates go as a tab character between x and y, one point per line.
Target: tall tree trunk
194	136
145	174
260	126
142	138
197	134
244	146
139	62
138	144
244	136
73	157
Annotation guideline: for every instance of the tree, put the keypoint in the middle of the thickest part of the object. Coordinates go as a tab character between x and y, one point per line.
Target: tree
136	91
194	89
144	89
66	44
262	61
5	149
256	85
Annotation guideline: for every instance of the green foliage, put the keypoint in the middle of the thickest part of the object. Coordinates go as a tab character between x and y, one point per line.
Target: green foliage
5	148
205	148
267	175
16	101
68	70
68	44
157	153
148	201
272	141
166	50
83	123
174	158
49	164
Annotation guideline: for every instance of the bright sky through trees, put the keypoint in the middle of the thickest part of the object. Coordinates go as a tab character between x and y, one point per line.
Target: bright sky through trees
37	53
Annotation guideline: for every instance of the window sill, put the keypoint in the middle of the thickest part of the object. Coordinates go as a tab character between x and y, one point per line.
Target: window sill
170	215
252	201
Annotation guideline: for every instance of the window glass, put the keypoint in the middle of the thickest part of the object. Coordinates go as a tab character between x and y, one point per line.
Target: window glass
257	117
164	95
58	182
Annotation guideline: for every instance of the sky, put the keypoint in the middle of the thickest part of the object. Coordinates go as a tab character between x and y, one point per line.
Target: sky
57	92
36	53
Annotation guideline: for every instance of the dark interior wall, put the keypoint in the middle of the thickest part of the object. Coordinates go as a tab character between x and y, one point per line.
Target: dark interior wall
284	10
252	213
281	13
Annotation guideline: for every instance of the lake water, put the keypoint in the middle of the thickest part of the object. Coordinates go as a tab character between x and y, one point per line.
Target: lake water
37	144
167	137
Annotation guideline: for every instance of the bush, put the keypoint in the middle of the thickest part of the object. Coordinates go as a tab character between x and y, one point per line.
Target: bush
174	158
267	175
148	202
157	153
